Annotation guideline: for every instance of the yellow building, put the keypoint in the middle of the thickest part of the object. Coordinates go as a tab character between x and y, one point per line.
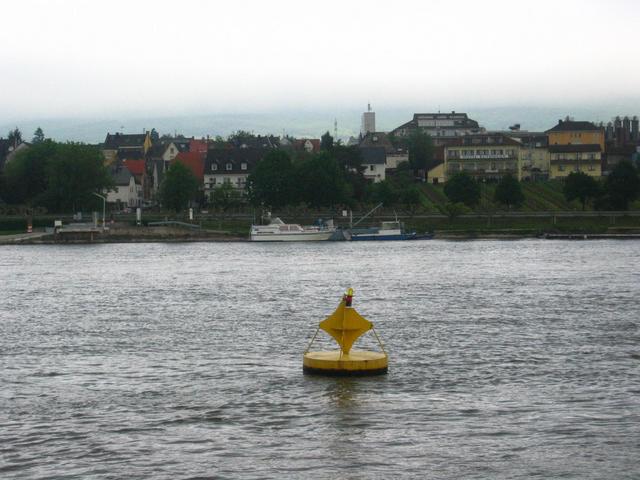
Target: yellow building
484	157
123	145
575	147
565	159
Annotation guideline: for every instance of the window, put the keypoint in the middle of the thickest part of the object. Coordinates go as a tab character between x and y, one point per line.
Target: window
214	167
116	189
213	181
371	167
243	166
591	167
227	180
229	166
561	168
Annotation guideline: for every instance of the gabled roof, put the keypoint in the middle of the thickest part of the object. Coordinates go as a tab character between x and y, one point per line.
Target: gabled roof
120	175
236	157
194	161
573	126
120	140
259	141
574	148
132	154
181	145
156	150
136	167
373	155
196	145
377	139
299	144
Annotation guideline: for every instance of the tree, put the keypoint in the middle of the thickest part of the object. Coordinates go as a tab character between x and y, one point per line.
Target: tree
350	160
26	176
154	135
179	187
461	188
454	210
15	137
580	186
74	173
622	185
326	141
321	182
384	192
272	181
411	198
241	137
420	150
38	136
508	192
225	196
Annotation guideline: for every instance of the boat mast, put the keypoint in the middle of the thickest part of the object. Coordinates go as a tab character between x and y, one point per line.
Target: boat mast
368	213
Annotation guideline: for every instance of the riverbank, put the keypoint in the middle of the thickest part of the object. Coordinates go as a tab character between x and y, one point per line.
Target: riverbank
235	227
175	235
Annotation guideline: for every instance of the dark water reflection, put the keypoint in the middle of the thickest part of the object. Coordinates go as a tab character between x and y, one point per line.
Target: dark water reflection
508	360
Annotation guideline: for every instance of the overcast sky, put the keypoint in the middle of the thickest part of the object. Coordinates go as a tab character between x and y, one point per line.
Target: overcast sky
160	57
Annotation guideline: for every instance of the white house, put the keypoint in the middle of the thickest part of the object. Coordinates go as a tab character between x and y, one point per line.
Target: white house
125	192
374	160
232	166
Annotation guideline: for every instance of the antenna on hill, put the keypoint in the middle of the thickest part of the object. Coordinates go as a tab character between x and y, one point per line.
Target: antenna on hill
368	106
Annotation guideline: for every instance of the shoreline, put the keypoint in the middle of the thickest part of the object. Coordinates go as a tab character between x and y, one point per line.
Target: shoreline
41	238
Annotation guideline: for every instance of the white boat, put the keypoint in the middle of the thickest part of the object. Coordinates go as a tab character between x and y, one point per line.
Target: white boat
278	231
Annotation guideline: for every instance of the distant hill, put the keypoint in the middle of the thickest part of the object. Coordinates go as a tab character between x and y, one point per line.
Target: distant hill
302	123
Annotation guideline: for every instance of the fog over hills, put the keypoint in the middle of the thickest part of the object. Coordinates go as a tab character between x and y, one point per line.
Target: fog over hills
303	123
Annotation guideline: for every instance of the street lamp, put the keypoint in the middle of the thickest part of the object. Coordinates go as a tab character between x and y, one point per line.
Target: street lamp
104	207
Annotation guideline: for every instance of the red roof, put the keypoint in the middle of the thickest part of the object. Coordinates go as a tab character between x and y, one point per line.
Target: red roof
136	167
300	143
199	146
194	161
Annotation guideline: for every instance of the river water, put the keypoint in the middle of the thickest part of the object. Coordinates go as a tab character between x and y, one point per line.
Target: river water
507	360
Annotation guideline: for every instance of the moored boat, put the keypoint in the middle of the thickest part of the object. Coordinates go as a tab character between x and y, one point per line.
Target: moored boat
386	231
278	231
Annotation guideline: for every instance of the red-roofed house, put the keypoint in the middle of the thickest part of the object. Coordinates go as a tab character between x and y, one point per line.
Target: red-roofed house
137	167
311	145
194	161
199	146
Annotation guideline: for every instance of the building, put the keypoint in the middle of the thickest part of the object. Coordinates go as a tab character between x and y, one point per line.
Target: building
440	126
374	161
120	144
231	166
309	145
194	161
8	151
566	159
570	132
126	192
485	157
368	123
534	156
174	147
393	156
576	146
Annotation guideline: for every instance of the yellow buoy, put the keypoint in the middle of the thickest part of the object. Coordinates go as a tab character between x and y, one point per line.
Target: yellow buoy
345	325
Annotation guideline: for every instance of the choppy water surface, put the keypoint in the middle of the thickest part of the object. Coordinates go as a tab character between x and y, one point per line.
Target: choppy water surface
507	360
